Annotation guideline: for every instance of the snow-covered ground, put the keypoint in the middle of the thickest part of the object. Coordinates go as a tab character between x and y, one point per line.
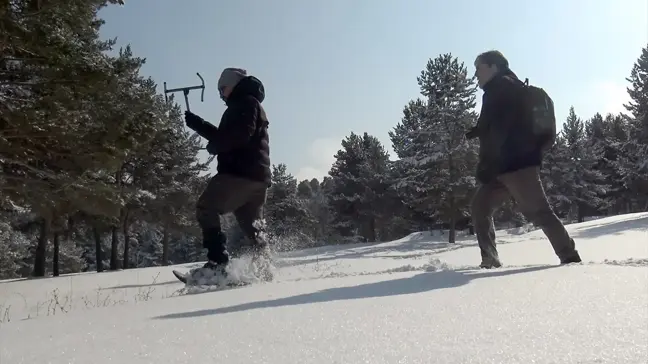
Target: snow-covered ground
414	300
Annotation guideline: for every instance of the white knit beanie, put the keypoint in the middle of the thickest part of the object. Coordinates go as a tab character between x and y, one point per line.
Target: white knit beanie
231	77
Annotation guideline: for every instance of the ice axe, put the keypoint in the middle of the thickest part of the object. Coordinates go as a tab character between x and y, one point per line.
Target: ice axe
185	91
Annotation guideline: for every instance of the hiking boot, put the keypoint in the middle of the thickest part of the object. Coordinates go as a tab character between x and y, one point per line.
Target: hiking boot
209	274
489	263
212	271
572	258
218	268
215	241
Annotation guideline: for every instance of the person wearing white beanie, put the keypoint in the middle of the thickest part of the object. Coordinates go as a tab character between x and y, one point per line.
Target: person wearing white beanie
241	144
229	78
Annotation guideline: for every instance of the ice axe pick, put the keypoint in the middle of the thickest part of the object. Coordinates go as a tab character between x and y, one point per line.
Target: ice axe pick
185	91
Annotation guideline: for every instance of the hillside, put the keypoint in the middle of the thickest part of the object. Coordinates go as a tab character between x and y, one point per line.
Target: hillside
413	300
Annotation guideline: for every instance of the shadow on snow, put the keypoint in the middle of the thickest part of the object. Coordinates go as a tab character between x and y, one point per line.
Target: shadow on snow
412	285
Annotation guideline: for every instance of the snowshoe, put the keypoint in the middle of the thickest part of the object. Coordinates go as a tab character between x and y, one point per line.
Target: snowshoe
210	274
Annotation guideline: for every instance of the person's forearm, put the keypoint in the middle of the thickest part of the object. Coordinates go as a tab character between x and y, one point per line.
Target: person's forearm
206	130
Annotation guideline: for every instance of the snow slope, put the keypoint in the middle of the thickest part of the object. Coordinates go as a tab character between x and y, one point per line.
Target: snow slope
414	300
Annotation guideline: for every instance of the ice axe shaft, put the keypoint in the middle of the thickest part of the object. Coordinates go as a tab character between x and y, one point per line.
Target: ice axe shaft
185	91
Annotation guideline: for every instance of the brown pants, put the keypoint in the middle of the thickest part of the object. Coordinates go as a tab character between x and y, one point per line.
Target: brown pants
225	194
526	188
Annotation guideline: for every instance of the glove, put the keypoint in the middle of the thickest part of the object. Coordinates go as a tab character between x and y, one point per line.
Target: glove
472	133
211	148
192	120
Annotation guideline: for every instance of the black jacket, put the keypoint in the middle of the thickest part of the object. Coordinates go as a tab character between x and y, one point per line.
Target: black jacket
241	141
506	143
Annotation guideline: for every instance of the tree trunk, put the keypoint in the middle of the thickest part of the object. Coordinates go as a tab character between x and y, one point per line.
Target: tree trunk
165	245
41	249
70	228
114	242
382	230
126	241
99	254
55	255
372	229
581	211
114	246
452	234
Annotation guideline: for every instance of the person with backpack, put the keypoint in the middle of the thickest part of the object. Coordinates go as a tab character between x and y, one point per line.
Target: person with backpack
241	144
516	126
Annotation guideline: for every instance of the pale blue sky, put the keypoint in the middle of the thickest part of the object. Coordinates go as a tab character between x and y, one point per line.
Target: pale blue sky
336	66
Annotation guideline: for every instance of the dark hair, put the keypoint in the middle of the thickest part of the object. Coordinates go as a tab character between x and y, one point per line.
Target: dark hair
493	57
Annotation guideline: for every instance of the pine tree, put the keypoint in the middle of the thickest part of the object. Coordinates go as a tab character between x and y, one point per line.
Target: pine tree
304	189
310	195
608	136
436	161
614	158
287	216
52	137
554	166
177	168
638	106
634	163
581	182
85	139
357	187
318	206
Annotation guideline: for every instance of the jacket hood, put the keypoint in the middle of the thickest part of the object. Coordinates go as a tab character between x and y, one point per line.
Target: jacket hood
248	86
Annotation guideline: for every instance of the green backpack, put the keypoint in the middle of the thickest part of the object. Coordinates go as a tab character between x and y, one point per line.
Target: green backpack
540	115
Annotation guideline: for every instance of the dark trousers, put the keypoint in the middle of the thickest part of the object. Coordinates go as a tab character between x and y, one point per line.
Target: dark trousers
224	194
526	189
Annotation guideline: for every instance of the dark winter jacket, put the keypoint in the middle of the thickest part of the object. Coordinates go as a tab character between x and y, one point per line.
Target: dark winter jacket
241	141
505	142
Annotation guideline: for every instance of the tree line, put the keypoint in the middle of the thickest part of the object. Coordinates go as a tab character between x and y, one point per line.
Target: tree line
98	171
